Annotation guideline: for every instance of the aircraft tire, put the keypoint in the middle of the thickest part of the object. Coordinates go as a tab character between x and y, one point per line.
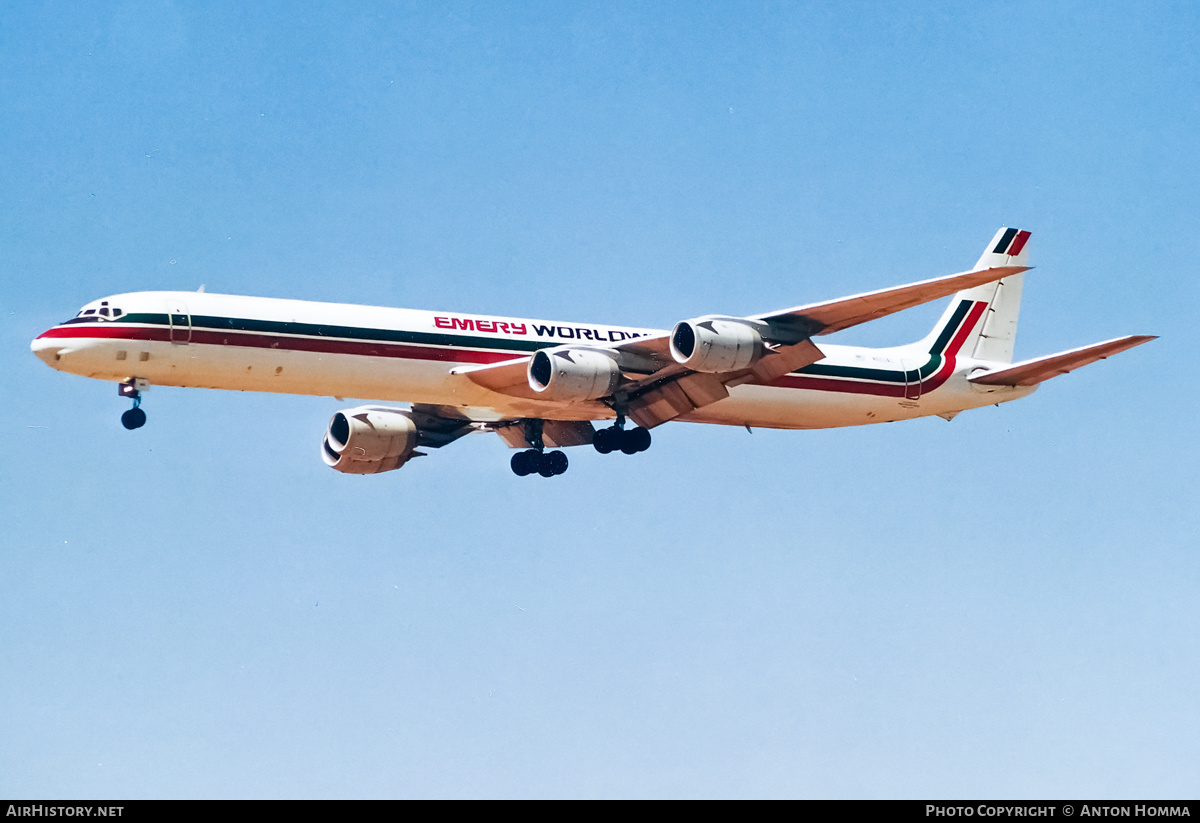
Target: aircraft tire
603	441
521	464
133	419
557	461
641	438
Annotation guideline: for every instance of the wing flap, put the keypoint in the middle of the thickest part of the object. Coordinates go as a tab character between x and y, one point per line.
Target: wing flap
674	397
556	434
784	360
1032	372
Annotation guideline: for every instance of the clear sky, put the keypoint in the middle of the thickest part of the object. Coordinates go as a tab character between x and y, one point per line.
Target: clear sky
1002	606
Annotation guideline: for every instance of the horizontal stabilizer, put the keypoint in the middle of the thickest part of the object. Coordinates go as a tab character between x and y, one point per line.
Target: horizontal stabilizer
1032	372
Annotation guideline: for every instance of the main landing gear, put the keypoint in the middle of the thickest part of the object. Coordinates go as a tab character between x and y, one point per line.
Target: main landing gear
615	438
536	459
135	418
531	461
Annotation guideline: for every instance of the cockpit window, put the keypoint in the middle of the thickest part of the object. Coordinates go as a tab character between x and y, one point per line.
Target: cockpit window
91	315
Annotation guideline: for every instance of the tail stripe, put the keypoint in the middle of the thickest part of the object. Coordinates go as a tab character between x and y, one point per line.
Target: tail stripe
1018	244
895	382
1009	234
951	327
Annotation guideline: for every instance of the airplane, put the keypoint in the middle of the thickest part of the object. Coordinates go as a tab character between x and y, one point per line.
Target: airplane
541	385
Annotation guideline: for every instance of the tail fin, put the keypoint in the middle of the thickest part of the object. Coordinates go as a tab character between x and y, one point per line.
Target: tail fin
982	322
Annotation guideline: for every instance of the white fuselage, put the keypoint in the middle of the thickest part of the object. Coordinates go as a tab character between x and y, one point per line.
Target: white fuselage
338	350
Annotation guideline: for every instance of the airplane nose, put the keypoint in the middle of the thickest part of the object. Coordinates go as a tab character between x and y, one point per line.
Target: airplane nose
48	350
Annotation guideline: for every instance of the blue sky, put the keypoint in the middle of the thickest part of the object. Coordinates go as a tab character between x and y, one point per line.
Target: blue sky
1000	606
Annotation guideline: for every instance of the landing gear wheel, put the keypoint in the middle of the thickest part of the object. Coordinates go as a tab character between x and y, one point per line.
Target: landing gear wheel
604	441
525	462
635	440
531	461
135	418
613	439
557	461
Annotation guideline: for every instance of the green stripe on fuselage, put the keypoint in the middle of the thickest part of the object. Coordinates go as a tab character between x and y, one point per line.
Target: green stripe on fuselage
926	369
943	339
209	323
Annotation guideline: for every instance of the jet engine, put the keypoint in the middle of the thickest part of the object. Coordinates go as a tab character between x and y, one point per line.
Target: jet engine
369	440
567	373
715	345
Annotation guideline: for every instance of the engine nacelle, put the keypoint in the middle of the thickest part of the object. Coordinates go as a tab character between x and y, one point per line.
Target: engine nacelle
369	440
566	373
714	345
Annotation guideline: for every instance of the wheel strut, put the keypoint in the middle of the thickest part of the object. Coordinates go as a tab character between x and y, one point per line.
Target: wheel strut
135	418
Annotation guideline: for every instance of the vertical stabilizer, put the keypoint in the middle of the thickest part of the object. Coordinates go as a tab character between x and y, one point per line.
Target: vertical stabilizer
999	330
984	318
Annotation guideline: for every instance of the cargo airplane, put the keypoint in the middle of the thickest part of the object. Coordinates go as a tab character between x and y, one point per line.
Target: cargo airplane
542	385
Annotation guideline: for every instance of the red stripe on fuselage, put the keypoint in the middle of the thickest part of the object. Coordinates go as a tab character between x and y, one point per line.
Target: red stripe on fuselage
951	353
309	344
462	355
800	381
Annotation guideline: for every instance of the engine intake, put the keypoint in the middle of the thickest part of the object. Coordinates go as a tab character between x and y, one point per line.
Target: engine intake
369	440
567	373
714	345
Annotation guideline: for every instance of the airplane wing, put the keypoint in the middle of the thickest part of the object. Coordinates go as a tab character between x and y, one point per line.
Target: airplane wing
1032	372
802	322
658	389
835	315
507	377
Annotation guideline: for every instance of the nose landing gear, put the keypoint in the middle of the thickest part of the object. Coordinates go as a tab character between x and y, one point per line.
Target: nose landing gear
135	418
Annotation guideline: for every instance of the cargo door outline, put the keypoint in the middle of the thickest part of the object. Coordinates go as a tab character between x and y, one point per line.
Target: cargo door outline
912	380
180	322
